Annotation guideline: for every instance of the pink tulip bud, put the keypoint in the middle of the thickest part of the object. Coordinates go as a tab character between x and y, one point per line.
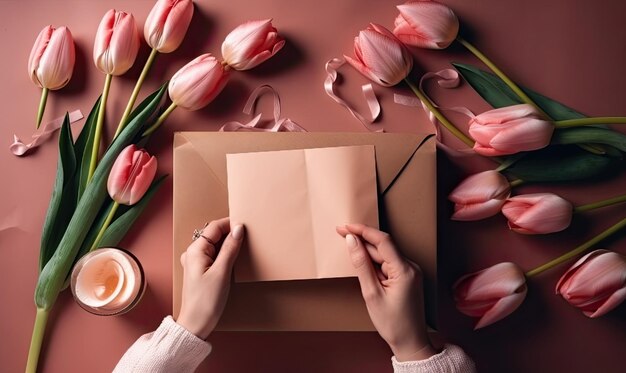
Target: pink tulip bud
51	60
131	175
596	283
509	130
250	44
380	56
117	43
167	24
198	82
480	196
426	24
538	213
491	294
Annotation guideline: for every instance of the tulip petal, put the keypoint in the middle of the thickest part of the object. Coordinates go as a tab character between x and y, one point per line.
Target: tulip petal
502	309
384	56
523	135
481	187
435	25
613	301
366	71
506	114
142	181
494	282
175	27
57	61
560	286
119	174
477	211
538	213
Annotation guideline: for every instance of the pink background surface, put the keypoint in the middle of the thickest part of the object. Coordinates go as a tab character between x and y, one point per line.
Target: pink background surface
569	50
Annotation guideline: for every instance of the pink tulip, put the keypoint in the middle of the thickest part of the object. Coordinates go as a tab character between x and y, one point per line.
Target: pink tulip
491	294
538	213
596	283
198	82
480	196
426	24
117	43
509	130
51	60
167	24
131	175
380	56
250	44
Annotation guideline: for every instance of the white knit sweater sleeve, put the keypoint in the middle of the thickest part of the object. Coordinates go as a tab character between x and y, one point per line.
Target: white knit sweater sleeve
170	348
451	360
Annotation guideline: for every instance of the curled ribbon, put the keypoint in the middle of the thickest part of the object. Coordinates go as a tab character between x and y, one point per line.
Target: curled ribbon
368	92
447	78
285	124
18	148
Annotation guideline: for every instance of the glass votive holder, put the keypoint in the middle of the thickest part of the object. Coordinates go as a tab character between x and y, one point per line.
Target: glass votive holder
108	281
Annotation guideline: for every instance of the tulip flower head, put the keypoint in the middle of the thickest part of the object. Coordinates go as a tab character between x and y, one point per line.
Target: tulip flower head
426	24
167	24
480	196
510	130
198	82
491	294
538	213
51	60
116	44
596	283
380	56
250	44
131	175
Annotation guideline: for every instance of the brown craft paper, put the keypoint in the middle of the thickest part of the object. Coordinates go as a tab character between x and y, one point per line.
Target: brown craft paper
405	169
291	201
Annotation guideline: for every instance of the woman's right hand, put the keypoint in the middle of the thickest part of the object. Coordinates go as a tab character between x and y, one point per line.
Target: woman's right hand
392	288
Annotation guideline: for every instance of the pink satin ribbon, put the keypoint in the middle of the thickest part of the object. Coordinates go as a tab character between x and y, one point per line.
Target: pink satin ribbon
18	148
285	124
447	78
368	92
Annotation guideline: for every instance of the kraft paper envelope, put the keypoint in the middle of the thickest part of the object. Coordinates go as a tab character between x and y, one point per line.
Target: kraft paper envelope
406	178
291	201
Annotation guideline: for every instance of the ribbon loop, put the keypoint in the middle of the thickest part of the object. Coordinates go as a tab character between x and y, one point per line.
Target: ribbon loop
19	149
285	124
368	92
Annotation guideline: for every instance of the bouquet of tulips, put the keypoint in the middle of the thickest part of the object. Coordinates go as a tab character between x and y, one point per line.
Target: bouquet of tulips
531	137
82	216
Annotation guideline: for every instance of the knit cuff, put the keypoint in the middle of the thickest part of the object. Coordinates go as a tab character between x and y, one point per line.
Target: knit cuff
182	342
451	360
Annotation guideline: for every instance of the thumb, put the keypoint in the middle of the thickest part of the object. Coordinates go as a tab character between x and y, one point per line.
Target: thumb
362	263
230	250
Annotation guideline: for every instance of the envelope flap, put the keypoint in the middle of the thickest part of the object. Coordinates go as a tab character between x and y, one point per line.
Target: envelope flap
393	150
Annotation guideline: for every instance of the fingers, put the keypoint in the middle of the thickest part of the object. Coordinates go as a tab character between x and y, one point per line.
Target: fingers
217	229
370	284
379	239
230	250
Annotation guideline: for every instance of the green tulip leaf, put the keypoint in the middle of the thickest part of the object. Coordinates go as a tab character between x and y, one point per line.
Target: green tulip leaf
118	229
565	163
84	145
63	200
590	135
54	273
498	94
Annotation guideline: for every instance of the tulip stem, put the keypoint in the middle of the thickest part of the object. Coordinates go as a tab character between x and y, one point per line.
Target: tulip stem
160	120
587	121
104	227
579	250
433	109
600	204
514	87
42	106
41	319
516	182
99	124
133	96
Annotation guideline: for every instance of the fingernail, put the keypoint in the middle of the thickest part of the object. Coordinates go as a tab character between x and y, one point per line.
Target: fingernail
350	240
238	232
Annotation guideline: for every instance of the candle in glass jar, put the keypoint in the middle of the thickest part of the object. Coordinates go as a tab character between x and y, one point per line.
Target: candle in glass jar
107	281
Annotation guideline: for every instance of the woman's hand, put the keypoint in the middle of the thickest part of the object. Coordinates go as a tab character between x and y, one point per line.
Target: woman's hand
208	265
392	288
